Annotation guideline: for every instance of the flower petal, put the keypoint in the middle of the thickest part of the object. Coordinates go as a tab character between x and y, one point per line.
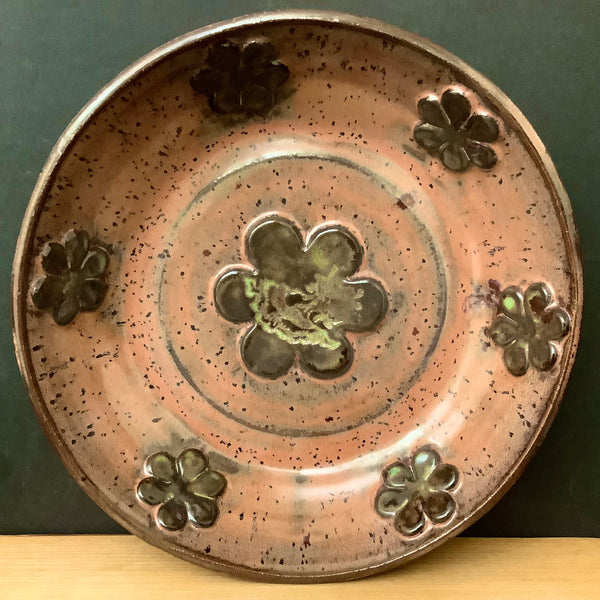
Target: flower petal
162	466
256	98
224	56
206	81
202	512
275	75
275	247
457	107
209	484
439	506
424	463
325	363
258	53
454	157
172	515
265	354
482	128
555	324
542	354
431	111
410	519
91	294
95	264
389	502
369	309
334	247
481	155
152	491
54	259
190	463
47	291
76	245
504	331
230	295
444	477
398	475
226	101
66	310
516	357
511	303
429	136
537	297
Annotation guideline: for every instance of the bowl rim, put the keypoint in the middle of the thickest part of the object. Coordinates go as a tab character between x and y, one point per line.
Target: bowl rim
466	75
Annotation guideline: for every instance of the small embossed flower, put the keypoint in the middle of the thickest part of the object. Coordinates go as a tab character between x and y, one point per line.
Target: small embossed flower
413	492
242	79
526	327
300	299
185	488
450	131
74	277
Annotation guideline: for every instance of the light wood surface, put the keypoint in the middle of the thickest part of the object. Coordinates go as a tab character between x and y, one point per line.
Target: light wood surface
123	567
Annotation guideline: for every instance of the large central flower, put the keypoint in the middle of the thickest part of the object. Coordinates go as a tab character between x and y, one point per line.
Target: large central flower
300	299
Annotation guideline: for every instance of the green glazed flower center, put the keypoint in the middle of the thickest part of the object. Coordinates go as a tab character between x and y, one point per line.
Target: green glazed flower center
301	316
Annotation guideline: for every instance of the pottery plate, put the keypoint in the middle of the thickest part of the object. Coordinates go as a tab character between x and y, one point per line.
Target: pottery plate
296	296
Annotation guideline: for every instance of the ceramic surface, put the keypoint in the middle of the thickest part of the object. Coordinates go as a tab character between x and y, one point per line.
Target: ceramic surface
296	296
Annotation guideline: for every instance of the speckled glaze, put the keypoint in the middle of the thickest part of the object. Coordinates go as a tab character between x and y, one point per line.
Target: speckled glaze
434	191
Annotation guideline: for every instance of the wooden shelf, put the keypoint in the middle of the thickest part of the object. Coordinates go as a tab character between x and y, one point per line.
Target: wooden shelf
121	566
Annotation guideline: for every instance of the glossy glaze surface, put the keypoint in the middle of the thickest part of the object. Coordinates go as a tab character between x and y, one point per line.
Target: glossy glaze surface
358	335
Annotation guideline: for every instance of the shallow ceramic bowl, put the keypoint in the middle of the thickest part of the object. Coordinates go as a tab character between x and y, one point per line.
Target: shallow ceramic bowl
297	295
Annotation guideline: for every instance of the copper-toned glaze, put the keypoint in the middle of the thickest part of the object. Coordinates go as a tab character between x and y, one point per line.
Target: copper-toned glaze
338	300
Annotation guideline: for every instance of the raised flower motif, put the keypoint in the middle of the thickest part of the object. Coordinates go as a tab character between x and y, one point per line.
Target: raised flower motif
300	299
74	277
450	131
184	488
241	79
526	326
416	491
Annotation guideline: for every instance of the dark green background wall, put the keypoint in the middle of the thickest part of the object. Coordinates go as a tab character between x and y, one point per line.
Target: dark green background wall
544	54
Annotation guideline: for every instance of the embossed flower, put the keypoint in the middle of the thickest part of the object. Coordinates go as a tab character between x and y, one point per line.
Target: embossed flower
450	131
241	79
415	492
300	299
526	327
74	277
184	488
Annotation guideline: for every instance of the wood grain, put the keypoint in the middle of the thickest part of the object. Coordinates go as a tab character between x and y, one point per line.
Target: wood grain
111	567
